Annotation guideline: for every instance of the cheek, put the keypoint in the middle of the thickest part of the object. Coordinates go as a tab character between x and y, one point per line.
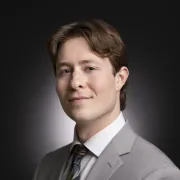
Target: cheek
103	85
59	89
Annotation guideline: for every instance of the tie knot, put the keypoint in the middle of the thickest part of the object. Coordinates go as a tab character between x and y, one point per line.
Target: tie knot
79	149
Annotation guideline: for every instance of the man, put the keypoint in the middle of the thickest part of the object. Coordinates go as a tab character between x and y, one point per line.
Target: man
91	70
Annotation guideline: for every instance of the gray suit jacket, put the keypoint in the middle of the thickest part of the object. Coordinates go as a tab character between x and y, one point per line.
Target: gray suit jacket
126	157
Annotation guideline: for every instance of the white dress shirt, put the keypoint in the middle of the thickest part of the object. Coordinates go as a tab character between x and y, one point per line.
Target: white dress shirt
96	144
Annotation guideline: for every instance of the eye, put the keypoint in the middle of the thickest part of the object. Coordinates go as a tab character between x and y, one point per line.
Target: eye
90	68
62	72
65	71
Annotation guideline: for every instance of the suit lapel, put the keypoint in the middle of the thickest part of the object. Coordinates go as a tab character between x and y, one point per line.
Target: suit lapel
108	162
110	159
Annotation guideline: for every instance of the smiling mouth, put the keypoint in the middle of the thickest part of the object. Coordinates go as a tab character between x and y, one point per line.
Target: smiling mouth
77	101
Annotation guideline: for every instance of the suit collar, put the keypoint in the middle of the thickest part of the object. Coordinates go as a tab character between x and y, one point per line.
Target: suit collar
110	159
123	141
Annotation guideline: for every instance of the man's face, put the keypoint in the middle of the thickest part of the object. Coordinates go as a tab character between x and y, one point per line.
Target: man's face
93	80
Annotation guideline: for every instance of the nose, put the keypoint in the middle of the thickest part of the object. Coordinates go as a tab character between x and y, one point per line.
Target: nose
77	80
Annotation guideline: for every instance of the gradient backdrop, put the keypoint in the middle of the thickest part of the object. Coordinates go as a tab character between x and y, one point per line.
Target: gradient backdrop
32	120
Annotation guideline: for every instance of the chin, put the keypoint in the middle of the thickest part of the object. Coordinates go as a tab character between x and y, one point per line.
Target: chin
79	117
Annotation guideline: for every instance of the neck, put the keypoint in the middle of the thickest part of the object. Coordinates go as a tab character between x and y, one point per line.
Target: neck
87	130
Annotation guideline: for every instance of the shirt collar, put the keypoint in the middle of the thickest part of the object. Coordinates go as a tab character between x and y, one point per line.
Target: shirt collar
98	142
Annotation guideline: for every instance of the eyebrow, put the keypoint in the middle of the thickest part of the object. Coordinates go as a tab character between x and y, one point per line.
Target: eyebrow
60	64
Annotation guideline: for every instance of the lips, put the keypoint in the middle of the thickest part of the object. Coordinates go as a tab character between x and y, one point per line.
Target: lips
78	98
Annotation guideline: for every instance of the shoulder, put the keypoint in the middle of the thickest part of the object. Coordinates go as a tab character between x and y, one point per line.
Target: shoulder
51	163
54	158
153	163
149	152
166	173
56	154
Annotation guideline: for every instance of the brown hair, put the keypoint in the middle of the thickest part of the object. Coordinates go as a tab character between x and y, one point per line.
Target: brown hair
103	39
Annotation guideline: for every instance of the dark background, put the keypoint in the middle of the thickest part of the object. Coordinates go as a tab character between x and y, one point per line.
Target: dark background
32	119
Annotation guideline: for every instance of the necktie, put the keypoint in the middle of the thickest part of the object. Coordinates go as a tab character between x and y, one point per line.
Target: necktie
78	152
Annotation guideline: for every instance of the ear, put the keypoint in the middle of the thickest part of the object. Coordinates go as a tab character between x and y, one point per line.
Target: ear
121	77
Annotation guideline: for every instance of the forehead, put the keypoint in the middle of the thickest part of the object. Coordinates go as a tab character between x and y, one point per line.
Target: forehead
74	46
77	50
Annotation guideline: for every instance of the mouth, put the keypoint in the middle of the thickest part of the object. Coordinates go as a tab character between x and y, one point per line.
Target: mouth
80	100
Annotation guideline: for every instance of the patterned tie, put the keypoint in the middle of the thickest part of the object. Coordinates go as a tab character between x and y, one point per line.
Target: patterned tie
78	152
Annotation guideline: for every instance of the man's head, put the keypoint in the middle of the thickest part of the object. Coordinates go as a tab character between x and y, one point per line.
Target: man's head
89	60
